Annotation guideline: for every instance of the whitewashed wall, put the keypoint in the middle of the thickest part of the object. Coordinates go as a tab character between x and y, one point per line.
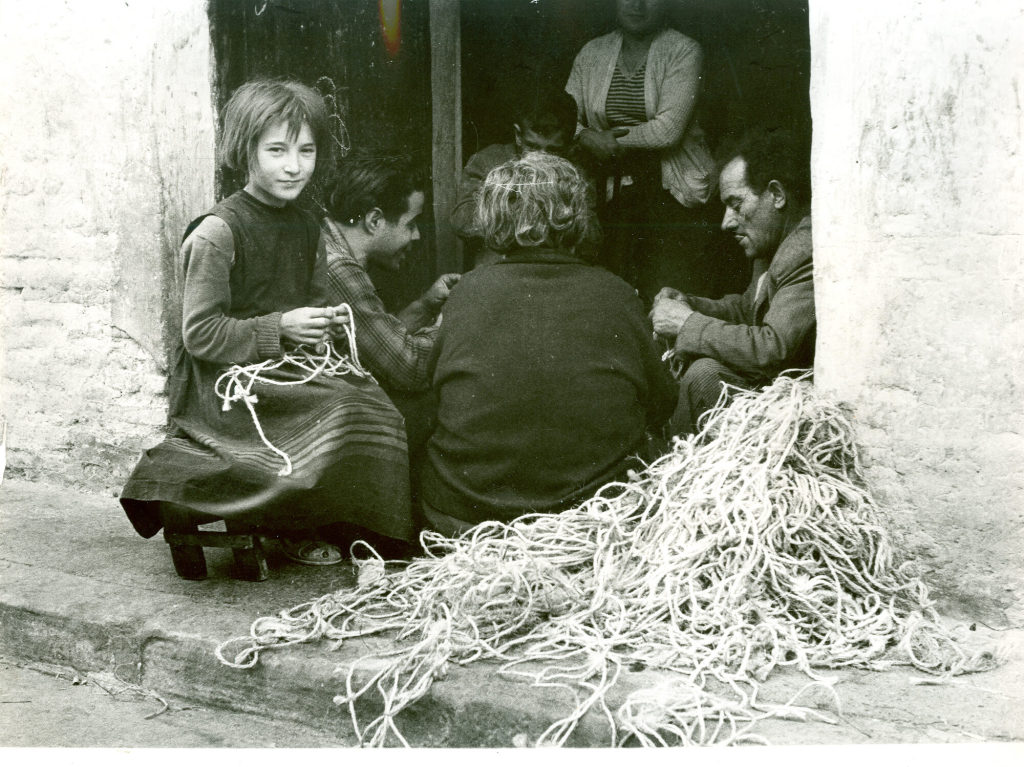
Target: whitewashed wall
106	134
919	267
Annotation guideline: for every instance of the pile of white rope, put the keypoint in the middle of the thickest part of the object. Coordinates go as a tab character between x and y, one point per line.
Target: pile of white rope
750	547
236	383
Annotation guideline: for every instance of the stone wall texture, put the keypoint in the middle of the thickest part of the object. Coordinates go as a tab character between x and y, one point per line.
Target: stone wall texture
106	136
919	267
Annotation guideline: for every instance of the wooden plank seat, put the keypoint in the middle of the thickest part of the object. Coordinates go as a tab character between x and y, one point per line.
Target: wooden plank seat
186	540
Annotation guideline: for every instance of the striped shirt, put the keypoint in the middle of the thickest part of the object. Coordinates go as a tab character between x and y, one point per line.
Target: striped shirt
397	356
625	102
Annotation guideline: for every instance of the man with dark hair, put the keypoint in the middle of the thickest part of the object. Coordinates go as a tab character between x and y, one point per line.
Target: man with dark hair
544	122
749	339
373	217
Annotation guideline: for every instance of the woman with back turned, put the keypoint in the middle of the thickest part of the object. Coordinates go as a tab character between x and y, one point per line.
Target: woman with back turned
545	369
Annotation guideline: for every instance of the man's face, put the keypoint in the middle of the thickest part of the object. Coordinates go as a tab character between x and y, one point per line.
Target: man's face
528	140
392	239
755	220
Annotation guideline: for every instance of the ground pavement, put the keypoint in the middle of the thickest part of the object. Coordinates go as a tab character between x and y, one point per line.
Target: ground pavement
79	589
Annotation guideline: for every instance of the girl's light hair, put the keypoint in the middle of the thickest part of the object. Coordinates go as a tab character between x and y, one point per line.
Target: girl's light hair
259	103
536	200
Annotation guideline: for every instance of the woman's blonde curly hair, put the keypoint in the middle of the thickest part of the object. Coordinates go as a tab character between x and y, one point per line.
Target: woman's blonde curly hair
536	200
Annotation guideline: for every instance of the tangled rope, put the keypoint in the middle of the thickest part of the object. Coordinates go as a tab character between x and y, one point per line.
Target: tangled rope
236	383
752	546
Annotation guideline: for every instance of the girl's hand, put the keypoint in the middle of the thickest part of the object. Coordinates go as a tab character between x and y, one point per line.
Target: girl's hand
308	325
339	320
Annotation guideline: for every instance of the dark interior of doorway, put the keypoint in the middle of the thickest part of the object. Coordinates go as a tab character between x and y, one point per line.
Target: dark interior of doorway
757	72
756	59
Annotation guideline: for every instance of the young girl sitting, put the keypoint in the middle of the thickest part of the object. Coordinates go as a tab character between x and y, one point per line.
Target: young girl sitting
306	451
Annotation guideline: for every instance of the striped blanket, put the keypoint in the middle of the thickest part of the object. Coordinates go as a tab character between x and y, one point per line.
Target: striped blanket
344	438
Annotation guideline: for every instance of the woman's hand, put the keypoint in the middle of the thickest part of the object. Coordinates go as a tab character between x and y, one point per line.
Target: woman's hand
601	143
308	325
341	318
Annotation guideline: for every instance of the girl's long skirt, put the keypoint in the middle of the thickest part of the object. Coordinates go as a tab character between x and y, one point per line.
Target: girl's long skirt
344	437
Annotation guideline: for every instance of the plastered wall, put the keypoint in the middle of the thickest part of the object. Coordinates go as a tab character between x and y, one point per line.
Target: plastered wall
106	138
919	269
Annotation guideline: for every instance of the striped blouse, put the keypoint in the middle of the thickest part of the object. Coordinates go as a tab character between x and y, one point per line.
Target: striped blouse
625	101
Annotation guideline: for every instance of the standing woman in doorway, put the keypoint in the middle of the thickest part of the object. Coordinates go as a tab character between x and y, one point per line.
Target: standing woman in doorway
636	90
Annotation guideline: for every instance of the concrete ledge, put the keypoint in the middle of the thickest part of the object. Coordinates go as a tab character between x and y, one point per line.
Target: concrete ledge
171	650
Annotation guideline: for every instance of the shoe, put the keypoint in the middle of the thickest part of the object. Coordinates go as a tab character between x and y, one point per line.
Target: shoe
310	552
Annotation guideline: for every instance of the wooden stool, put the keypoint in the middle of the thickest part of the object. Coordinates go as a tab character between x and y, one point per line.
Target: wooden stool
186	541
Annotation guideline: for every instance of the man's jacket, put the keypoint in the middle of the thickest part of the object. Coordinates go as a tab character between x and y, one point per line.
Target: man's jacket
761	332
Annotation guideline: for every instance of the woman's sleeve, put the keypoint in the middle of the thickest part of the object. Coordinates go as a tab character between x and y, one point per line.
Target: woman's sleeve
576	87
677	98
661	388
664	391
209	334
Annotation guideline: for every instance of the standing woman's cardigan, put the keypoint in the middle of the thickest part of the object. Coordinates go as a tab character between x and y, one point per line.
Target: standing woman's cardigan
246	263
671	87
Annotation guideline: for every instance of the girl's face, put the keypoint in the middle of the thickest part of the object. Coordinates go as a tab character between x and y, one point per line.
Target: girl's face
281	166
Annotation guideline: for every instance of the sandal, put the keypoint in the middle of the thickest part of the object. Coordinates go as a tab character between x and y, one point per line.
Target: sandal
310	552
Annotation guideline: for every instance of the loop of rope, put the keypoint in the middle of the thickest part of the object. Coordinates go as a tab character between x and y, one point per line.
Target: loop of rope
237	382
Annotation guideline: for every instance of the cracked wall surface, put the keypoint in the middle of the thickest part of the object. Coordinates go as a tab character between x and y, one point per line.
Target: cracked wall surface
919	273
107	114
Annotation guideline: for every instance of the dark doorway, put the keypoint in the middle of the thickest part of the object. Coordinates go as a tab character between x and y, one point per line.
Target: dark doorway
756	70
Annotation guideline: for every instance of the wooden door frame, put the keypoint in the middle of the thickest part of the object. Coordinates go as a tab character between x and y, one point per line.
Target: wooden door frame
446	118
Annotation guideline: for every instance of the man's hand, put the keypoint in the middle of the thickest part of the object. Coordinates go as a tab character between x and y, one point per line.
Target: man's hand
437	293
601	143
669	314
668	293
307	325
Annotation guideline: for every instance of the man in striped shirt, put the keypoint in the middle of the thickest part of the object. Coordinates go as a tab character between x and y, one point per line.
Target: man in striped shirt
373	217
